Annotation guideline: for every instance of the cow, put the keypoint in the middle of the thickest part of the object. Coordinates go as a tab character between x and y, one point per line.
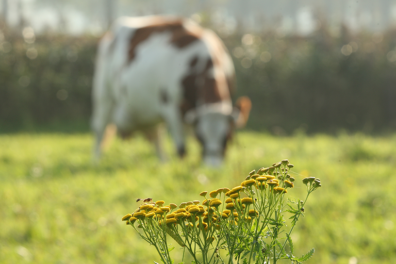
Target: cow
166	69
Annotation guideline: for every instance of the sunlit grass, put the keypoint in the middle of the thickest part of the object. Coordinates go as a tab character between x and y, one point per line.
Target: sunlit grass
56	207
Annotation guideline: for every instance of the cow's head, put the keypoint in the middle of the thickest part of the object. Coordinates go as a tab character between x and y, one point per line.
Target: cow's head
214	125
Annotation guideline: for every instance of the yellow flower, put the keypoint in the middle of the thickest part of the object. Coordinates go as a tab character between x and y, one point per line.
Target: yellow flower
289	184
235	195
205	202
253	212
190	203
173	206
269	177
235	214
165	208
228	200
146	207
139	215
132	220
203	193
196	202
235	190
213	194
181	210
247	200
255	176
279	190
248	183
227	212
215	203
150	215
204	226
224	216
225	190
194	209
182	205
272	183
170	216
180	215
261	179
230	206
159	203
159	212
171	220
126	217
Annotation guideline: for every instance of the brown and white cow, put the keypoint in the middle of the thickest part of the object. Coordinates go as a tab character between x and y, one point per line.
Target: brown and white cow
164	69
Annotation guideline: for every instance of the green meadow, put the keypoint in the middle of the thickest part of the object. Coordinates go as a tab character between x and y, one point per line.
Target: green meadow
57	207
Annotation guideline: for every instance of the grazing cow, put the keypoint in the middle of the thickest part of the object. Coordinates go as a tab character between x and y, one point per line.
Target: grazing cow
163	69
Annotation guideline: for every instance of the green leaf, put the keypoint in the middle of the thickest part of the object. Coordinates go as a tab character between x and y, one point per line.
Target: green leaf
171	249
306	256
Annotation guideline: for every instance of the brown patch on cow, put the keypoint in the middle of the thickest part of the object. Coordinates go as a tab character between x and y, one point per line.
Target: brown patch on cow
199	87
181	37
164	97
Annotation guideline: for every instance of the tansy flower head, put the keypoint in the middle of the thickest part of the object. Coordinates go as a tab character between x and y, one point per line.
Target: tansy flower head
262	171
203	193
269	177
249	182
190	203
126	217
225	190
213	194
224	216
171	221
150	215
230	206
272	183
165	208
235	190
234	195
279	190
228	200
247	200
182	205
132	220
205	202
227	212
170	216
255	176
285	162
253	213
160	203
252	172
289	184
180	215
181	210
194	210
146	207
139	215
196	202
261	179
173	206
159	212
215	203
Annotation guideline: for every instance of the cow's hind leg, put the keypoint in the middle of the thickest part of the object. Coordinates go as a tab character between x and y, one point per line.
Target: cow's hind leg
100	121
155	136
174	122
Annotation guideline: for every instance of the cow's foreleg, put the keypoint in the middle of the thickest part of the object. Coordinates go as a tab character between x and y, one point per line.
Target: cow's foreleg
174	122
155	136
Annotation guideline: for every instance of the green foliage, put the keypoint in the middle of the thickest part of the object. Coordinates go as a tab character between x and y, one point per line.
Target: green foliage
56	207
294	82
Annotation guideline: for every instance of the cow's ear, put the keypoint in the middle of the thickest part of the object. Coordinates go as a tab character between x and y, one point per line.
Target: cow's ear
241	111
190	117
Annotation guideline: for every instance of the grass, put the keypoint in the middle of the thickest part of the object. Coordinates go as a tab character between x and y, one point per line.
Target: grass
56	207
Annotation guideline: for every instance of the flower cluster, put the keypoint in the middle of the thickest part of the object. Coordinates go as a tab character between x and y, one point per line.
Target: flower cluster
245	220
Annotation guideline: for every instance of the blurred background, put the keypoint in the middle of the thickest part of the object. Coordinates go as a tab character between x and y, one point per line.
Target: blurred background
321	77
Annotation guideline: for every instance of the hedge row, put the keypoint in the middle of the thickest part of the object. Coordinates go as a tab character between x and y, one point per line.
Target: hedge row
319	83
